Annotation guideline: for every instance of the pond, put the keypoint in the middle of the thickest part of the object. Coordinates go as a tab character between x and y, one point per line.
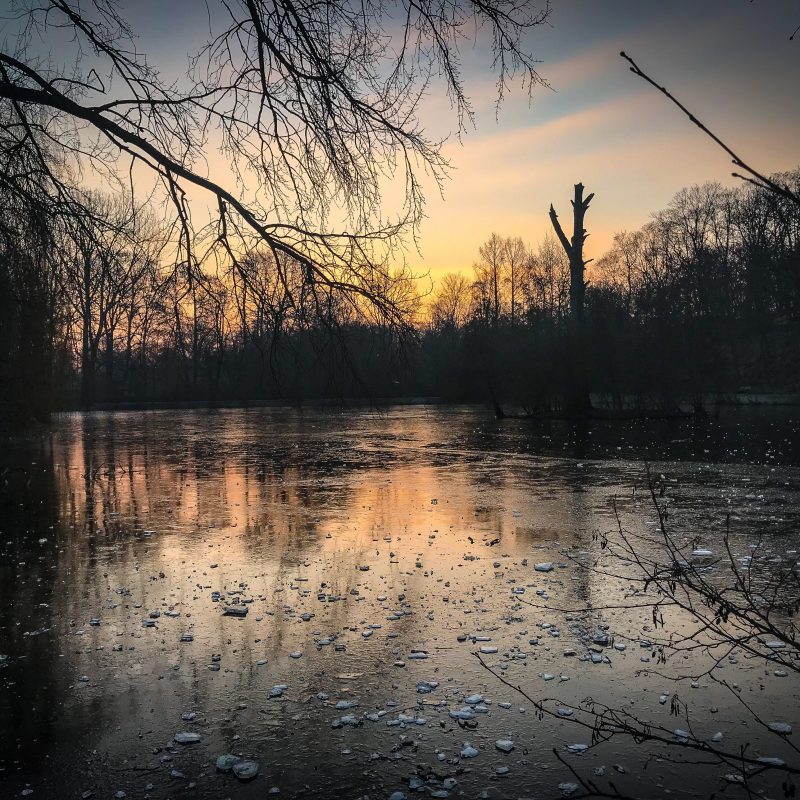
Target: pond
365	558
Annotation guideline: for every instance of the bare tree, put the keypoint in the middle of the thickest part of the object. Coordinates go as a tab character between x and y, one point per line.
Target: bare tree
103	262
490	276
314	104
451	303
579	401
545	287
516	255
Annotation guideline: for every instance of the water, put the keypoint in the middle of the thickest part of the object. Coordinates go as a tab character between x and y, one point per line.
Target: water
421	522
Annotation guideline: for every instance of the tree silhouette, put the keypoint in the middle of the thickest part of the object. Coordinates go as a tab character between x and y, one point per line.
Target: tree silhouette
579	401
314	106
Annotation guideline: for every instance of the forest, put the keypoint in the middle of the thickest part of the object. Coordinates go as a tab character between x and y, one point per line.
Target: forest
699	303
132	275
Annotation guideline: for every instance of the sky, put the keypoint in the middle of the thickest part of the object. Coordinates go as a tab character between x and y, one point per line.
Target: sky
730	61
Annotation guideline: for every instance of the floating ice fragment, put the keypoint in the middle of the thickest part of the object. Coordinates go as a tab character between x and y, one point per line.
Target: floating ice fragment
187	738
468	751
245	770
504	745
347	719
226	763
577	748
783	728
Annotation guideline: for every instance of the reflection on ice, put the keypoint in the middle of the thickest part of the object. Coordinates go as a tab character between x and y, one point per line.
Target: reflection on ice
296	600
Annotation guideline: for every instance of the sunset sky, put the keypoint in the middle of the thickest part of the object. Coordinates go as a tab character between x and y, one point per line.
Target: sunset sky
730	61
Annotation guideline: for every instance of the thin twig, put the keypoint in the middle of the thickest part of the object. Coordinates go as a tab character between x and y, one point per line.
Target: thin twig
758	178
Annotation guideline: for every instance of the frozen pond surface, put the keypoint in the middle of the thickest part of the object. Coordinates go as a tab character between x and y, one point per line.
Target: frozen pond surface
364	559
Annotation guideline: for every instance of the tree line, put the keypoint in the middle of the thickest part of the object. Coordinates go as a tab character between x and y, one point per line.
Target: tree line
93	310
703	299
187	284
283	284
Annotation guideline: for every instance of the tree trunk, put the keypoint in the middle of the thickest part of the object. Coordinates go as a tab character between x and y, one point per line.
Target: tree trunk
87	365
577	400
109	356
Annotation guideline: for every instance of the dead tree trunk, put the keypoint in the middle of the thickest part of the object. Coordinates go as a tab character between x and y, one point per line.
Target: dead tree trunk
578	393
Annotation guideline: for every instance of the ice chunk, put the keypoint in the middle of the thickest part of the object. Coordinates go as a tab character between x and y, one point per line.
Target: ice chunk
245	770
783	728
187	738
226	763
